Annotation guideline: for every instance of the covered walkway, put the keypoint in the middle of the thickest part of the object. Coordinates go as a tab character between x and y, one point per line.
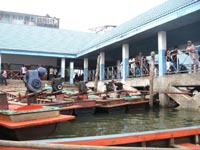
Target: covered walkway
171	23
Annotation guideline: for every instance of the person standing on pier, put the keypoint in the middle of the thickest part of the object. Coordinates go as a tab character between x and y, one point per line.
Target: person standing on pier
194	56
174	58
23	71
4	77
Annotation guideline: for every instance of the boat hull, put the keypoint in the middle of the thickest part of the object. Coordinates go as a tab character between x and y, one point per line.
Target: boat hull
180	137
32	129
36	132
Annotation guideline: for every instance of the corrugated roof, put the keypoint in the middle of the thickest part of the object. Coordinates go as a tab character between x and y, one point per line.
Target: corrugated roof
42	39
33	38
166	8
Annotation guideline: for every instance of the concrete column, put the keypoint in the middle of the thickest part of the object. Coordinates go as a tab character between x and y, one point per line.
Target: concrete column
118	69
102	66
71	73
125	58
0	62
63	67
162	46
85	71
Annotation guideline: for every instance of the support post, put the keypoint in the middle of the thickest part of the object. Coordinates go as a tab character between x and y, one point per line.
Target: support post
152	67
162	46
71	72
63	68
197	139
102	66
85	73
118	69
125	57
97	74
0	62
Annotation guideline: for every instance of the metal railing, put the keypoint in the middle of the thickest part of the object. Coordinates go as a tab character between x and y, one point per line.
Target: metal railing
115	72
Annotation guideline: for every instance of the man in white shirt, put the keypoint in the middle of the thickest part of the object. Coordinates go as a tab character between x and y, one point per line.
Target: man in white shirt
132	65
194	56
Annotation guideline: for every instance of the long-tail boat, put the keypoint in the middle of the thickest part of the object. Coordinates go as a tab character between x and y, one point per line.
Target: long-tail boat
23	122
186	137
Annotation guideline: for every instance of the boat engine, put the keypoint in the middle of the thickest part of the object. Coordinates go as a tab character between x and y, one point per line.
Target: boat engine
57	84
32	80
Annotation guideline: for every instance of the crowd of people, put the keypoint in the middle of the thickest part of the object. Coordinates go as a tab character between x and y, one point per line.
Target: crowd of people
78	77
172	61
140	66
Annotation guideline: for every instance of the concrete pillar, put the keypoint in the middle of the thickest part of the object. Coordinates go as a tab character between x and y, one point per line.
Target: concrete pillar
162	46
0	62
63	67
71	73
85	71
102	66
125	58
118	69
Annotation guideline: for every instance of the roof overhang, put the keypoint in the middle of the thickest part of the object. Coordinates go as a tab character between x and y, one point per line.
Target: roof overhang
178	13
34	53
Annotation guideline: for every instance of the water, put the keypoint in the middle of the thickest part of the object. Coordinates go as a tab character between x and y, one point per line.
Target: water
135	121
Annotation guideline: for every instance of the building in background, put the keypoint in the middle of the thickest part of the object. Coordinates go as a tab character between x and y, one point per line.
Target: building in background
28	19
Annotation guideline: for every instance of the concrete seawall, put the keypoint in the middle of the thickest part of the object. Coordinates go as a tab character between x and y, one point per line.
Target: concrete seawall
166	85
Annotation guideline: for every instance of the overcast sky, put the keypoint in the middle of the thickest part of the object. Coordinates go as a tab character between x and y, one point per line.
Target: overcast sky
82	14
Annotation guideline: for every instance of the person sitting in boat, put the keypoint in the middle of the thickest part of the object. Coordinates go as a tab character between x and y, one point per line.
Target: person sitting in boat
114	86
82	88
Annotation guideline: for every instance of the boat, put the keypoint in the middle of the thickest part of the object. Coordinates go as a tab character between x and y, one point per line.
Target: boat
23	122
78	105
186	137
90	103
121	103
69	104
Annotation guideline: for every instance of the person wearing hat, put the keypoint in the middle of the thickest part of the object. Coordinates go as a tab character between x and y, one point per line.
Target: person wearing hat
194	56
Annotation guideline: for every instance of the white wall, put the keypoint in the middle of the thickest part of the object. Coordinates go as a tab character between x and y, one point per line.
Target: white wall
29	60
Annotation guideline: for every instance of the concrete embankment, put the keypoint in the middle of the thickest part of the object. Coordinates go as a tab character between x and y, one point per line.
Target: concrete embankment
174	86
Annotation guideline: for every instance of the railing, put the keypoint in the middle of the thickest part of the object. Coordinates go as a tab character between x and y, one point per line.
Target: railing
14	74
114	72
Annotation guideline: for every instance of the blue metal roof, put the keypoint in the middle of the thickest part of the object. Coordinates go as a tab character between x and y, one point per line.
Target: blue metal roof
140	23
21	39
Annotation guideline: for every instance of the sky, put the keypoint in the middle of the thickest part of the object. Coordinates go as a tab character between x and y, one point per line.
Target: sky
82	15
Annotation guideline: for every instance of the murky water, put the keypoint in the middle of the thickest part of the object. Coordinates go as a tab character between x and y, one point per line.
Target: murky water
137	120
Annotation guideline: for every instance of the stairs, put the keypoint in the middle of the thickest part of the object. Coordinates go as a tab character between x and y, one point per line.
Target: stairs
185	101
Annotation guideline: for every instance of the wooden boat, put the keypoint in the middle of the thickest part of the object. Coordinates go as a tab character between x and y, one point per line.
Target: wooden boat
110	105
78	103
137	101
122	104
23	122
72	106
187	137
80	107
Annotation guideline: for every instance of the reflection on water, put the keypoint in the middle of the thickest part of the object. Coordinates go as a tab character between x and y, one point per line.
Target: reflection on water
137	120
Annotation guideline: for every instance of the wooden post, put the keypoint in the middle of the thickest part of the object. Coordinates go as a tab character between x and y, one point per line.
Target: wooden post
152	68
97	74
